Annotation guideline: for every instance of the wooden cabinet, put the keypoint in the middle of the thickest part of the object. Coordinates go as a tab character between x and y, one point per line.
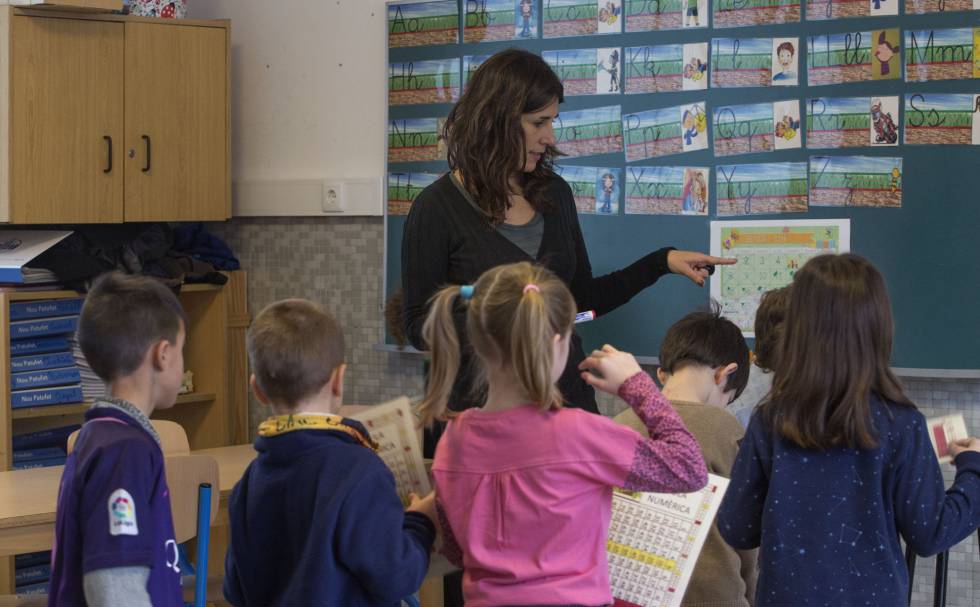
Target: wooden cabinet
105	118
175	122
66	88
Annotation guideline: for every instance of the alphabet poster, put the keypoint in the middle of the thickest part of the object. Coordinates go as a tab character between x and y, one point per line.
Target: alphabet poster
757	127
942	119
667	190
414	82
667	68
423	23
820	10
739	13
588	132
665	131
596	189
843	122
587	71
745	62
855	181
652	15
582	17
403	188
492	20
415	140
761	189
854	57
941	54
921	7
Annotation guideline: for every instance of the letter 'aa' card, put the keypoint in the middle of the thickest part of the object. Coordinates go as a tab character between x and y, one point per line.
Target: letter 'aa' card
944	431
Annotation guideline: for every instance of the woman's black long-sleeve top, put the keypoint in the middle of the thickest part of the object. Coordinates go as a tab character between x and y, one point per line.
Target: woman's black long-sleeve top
448	241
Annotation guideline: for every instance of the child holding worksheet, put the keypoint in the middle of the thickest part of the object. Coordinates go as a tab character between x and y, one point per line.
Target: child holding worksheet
836	466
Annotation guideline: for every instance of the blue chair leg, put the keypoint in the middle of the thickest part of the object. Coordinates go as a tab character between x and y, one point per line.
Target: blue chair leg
203	543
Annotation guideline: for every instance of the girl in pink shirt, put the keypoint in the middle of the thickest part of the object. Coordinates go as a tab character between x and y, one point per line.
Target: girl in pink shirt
523	486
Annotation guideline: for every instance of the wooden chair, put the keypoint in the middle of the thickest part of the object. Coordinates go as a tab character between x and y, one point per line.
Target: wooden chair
186	474
194	497
173	439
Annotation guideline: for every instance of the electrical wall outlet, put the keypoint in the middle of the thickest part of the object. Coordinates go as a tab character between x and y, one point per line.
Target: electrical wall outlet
333	197
308	197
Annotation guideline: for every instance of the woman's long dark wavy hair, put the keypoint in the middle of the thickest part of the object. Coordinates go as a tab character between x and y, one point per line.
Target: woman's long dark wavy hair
484	136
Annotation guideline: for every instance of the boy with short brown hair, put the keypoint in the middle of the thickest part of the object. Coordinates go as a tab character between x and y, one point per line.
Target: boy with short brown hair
114	533
316	518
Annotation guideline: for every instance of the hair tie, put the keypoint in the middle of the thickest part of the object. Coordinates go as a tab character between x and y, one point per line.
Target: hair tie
466	291
530	287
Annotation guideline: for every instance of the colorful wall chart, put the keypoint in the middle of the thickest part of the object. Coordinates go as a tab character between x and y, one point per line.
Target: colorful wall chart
769	253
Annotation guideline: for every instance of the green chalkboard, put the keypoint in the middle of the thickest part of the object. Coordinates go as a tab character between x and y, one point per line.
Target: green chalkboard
928	250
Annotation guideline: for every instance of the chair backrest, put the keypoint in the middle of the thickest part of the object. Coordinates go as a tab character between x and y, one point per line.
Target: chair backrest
173	439
184	474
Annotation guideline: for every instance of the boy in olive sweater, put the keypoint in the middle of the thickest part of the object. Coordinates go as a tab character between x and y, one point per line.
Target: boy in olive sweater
704	365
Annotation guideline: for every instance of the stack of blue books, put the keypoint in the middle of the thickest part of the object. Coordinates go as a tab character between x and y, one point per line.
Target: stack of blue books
43	370
32	572
42	448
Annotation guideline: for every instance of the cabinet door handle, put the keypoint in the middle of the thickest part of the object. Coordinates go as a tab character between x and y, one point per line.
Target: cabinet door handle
146	140
108	164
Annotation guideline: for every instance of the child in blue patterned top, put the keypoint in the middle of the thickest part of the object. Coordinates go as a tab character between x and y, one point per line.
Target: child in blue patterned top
836	464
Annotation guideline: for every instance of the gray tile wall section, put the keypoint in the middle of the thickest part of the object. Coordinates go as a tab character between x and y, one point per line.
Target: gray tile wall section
337	262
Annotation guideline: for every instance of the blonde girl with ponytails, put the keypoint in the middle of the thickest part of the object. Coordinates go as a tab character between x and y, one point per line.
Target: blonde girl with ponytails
523	485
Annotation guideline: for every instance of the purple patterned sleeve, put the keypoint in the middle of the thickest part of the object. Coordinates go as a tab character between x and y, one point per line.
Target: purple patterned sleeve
450	549
670	461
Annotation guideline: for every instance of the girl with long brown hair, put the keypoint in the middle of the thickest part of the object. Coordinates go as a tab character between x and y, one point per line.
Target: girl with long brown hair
524	486
502	203
836	464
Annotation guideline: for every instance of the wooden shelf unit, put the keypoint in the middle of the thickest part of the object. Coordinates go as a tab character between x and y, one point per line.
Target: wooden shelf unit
214	415
80	408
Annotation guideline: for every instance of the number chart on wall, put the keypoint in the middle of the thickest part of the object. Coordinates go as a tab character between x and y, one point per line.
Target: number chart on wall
678	112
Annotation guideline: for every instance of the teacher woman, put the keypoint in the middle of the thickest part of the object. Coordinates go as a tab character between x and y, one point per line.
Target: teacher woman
502	202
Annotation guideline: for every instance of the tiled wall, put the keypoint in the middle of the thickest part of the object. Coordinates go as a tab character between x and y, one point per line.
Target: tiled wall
337	262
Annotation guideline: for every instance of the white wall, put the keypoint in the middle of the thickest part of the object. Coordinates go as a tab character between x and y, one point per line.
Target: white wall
308	88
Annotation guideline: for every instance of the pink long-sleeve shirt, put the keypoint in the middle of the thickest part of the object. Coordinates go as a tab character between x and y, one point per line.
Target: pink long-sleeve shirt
525	495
